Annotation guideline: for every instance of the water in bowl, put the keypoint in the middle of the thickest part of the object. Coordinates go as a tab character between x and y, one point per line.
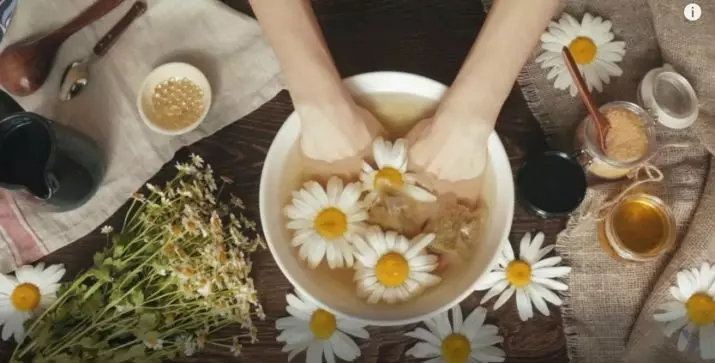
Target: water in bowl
398	112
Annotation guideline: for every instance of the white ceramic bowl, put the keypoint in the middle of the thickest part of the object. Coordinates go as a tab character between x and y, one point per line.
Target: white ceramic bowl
164	73
280	176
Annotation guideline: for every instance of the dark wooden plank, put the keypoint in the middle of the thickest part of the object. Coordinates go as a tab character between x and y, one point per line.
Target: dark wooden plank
427	37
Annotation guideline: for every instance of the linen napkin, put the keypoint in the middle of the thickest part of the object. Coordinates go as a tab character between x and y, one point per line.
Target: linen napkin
227	46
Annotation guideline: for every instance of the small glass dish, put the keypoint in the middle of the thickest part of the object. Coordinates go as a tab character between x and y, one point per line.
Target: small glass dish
640	228
595	161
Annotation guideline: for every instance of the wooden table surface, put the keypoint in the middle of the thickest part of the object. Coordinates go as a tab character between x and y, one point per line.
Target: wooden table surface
426	37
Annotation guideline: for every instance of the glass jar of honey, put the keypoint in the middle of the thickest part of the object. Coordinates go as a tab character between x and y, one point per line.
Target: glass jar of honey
639	228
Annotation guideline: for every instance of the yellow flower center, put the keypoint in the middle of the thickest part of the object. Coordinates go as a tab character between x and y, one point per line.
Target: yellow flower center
392	269
456	349
389	177
323	324
25	297
583	50
331	223
518	273
701	309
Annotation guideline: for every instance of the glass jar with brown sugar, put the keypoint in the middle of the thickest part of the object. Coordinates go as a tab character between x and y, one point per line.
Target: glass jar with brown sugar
639	228
630	142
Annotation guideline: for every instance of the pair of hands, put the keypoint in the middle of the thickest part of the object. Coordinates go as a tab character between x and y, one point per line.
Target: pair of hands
447	152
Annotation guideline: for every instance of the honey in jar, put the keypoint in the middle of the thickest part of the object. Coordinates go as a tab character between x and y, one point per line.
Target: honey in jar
639	228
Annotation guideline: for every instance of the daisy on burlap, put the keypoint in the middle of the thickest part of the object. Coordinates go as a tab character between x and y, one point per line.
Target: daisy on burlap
318	331
461	341
531	277
391	175
592	47
693	311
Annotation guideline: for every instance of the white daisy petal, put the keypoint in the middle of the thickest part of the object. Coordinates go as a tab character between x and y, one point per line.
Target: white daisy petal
425	335
488	354
673	313
423	350
328	352
457	318
524	245
488	281
550	283
675	325
495	290
523	304
419	243
547	262
418	193
545	251
473	323
537	300
504	297
548	272
295	349
315	352
547	294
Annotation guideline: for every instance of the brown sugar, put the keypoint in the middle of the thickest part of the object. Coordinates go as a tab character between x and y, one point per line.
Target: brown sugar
626	140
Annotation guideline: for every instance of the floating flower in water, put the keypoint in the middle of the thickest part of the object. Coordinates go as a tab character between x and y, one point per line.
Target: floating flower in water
462	341
531	277
325	221
30	291
391	267
318	331
592	46
693	310
391	174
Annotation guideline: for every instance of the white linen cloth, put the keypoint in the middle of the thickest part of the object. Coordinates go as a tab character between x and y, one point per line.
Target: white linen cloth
226	45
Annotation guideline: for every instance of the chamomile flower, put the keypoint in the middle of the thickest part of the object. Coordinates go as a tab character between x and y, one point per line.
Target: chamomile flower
30	291
531	277
393	268
152	341
460	341
106	230
693	310
319	332
391	174
592	46
325	221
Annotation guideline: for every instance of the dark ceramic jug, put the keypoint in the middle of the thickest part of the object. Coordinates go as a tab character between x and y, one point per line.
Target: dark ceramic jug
51	162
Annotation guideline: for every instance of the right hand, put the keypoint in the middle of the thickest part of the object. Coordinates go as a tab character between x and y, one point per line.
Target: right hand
336	137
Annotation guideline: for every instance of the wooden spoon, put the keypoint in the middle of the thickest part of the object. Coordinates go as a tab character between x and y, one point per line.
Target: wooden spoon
601	122
24	66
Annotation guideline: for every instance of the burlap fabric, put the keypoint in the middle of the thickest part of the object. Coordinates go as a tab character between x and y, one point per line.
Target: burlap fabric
606	295
691	46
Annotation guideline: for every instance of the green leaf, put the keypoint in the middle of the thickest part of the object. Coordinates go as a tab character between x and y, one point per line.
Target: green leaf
130	355
94	303
102	274
137	298
87	342
147	322
98	258
117	251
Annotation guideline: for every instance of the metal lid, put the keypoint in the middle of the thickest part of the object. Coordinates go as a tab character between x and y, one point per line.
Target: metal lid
669	98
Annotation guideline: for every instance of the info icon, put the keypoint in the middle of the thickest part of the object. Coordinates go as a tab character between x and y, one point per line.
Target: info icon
692	11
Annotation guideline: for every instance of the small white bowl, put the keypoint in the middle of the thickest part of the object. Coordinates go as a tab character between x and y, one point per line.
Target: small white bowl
164	73
281	174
